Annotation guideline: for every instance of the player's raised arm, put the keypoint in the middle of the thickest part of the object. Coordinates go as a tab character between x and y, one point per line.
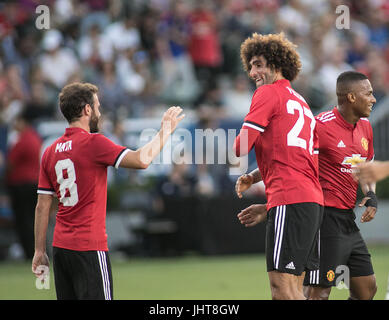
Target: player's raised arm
142	158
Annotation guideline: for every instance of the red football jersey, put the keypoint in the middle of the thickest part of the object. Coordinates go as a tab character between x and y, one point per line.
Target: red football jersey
341	146
284	130
24	158
74	168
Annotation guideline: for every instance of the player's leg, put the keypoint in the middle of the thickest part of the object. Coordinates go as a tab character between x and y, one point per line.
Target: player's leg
317	292
290	236
363	288
62	276
285	286
335	247
93	277
362	279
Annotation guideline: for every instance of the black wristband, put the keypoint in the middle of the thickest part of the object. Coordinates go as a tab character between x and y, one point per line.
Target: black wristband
372	202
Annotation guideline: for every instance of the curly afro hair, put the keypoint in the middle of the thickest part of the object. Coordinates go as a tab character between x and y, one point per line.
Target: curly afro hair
278	51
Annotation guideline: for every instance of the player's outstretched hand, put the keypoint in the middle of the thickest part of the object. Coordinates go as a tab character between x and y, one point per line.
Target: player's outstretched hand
171	118
253	215
243	183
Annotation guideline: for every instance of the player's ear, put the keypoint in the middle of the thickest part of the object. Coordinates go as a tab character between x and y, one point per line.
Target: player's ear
351	97
87	109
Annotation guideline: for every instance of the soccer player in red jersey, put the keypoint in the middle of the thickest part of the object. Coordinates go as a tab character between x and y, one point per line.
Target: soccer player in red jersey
345	139
74	169
281	128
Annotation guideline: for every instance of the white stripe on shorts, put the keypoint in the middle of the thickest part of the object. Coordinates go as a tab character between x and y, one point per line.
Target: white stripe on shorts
278	231
104	274
314	277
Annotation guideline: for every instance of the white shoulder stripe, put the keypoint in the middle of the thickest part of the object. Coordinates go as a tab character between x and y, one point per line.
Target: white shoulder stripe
326	113
328	119
326	116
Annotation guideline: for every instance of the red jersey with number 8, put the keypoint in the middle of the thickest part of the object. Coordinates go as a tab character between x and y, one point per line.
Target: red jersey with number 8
74	168
285	140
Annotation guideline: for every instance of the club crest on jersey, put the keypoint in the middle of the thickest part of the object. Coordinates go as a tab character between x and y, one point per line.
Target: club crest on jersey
365	143
330	275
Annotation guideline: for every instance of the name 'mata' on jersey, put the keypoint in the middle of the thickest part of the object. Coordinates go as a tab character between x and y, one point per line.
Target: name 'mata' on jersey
341	147
74	168
284	144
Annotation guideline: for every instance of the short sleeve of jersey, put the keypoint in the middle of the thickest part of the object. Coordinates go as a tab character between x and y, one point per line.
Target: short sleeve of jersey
105	152
44	185
263	107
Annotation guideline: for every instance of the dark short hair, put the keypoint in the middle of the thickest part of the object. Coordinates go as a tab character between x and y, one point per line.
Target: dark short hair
73	98
350	76
346	80
279	52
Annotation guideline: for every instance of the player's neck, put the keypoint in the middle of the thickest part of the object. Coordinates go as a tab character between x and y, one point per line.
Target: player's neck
348	115
80	124
278	76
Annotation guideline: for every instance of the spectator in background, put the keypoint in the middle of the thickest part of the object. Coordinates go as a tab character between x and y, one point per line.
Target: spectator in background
124	34
22	179
237	99
11	93
113	95
38	104
57	64
335	64
180	182
93	47
204	43
176	68
357	51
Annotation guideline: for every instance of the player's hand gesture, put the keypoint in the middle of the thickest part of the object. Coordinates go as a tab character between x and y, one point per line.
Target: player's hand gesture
369	213
171	118
253	215
243	183
39	259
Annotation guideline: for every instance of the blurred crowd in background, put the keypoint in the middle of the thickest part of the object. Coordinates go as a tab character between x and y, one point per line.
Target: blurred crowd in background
145	55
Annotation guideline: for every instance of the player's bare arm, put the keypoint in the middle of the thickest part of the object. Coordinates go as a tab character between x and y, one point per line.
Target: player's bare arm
372	171
142	158
42	212
253	215
245	181
370	201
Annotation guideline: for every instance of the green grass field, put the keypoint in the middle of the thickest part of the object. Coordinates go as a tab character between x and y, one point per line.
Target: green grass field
234	277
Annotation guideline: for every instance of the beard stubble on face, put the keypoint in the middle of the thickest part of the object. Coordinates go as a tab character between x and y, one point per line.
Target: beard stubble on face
94	123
